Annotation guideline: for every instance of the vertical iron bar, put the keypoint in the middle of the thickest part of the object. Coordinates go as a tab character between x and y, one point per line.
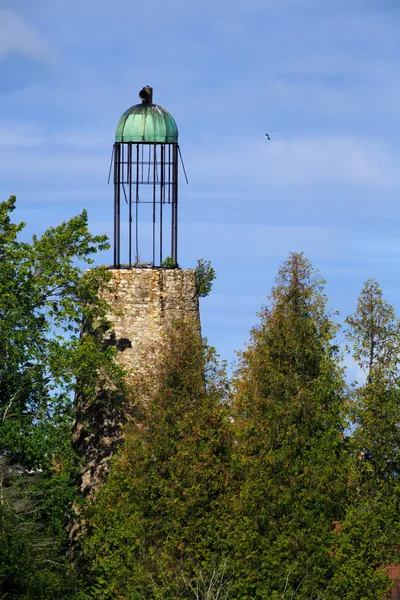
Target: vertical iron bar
142	180
130	201
154	201
172	210
116	154
118	232
161	196
169	173
175	201
137	202
156	171
148	168
122	164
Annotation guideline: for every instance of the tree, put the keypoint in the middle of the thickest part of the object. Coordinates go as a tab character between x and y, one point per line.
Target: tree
289	414
44	299
154	528
374	333
368	538
205	275
32	516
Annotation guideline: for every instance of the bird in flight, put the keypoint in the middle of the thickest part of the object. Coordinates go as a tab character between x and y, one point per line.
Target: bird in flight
267	136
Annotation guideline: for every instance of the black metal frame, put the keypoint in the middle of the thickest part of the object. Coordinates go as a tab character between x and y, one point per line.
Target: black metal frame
151	164
156	165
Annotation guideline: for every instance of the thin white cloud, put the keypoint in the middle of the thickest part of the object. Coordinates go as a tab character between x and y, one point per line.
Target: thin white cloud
82	141
17	36
259	241
250	242
45	166
351	159
312	160
18	136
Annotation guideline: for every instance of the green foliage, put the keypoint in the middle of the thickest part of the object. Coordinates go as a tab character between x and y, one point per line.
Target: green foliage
205	275
44	299
360	553
169	263
374	333
32	535
262	494
290	456
155	525
368	539
215	493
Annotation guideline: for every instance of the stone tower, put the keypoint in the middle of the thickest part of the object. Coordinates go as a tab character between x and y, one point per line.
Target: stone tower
148	291
146	302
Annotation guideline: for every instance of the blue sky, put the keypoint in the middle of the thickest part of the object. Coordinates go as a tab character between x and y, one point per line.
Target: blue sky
320	76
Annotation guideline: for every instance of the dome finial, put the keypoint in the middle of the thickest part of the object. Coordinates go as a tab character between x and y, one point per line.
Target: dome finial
146	122
146	95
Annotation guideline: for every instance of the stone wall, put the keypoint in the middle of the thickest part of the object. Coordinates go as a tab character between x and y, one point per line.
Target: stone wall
145	302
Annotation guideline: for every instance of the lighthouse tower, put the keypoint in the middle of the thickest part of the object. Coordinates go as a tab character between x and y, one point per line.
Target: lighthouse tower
148	291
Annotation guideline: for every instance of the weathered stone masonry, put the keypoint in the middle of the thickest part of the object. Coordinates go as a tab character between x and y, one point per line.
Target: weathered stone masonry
145	302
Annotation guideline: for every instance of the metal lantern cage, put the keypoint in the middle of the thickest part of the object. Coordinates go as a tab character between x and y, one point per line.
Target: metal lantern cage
145	164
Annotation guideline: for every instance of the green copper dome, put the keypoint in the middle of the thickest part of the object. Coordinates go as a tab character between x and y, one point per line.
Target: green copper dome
147	122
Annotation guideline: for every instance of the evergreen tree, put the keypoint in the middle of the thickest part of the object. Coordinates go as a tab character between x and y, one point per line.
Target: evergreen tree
368	538
32	536
374	331
156	526
289	408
